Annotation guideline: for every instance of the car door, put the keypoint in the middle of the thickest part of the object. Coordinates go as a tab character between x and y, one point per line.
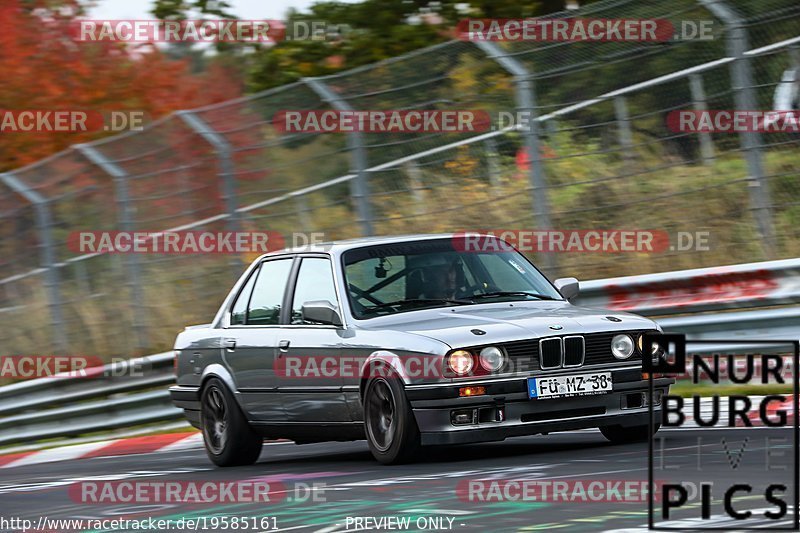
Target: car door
310	378
250	339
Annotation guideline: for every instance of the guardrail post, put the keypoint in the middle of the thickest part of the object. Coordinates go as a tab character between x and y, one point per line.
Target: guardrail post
699	103
226	168
526	103
624	133
744	95
47	256
126	224
359	188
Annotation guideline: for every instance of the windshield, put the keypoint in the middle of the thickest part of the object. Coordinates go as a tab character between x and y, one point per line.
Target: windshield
394	278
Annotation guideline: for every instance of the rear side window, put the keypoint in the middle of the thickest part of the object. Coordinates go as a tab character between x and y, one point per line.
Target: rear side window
239	310
265	303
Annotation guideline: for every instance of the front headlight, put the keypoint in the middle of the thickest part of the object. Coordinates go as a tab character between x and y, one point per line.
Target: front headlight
460	362
655	348
622	346
492	358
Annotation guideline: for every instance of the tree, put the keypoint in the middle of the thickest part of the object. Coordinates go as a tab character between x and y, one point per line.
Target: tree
46	69
178	9
357	33
369	31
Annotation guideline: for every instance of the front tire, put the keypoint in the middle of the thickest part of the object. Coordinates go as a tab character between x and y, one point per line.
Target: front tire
628	435
228	438
392	432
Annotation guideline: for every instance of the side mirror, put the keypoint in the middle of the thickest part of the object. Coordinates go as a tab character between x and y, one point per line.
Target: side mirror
568	287
322	312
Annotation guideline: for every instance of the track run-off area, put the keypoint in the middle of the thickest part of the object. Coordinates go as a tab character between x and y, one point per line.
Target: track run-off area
339	487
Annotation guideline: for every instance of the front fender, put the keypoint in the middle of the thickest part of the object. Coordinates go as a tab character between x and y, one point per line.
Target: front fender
411	368
390	359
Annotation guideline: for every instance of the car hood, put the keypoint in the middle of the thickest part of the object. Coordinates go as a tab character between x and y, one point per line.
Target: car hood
508	321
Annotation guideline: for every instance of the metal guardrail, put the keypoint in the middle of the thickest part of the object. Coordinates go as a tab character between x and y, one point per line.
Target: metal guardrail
126	393
762	284
134	392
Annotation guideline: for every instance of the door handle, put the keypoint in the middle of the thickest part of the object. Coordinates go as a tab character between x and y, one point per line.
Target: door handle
283	346
230	344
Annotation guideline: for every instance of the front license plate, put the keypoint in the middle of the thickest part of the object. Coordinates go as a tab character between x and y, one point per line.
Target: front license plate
562	386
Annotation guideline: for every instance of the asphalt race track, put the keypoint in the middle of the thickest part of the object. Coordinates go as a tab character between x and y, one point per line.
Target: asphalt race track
351	484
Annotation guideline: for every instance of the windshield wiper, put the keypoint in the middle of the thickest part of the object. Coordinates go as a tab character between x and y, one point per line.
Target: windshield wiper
414	301
497	294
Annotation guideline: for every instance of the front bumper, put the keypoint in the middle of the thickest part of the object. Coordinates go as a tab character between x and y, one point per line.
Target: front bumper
506	411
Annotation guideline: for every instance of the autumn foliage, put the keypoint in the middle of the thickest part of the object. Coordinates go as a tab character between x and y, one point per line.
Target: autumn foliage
44	68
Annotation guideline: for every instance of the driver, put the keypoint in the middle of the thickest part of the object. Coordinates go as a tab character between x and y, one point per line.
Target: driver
444	282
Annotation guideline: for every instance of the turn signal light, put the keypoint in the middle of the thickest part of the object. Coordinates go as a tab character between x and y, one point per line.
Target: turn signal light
471	391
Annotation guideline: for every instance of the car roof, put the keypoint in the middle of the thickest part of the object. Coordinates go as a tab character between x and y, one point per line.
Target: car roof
337	247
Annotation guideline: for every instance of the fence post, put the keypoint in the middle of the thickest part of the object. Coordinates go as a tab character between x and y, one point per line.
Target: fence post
301	205
47	256
699	104
126	223
493	165
794	56
624	133
359	188
526	103
414	174
225	172
744	95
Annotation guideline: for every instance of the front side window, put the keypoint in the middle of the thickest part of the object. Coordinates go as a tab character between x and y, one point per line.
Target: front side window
314	283
394	278
265	303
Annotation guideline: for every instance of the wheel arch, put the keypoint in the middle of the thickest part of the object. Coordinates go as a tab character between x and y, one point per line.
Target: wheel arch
386	359
218	371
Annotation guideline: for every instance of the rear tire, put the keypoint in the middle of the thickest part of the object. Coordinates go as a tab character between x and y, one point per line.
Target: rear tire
228	438
392	432
628	435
